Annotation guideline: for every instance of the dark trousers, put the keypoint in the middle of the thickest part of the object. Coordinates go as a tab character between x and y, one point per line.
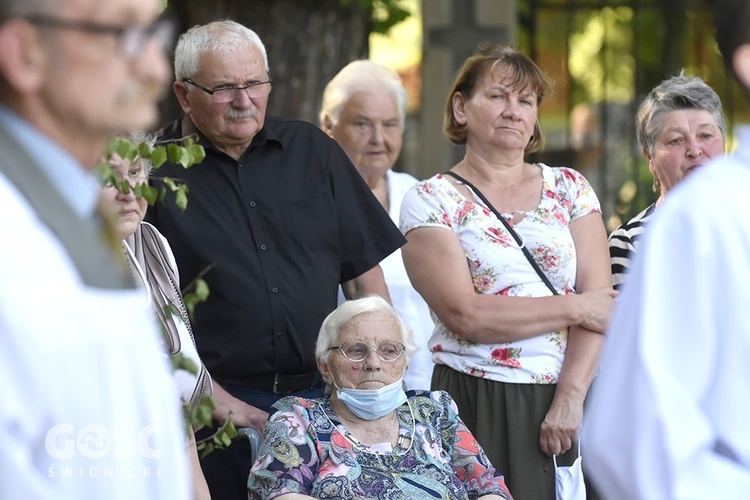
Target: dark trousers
506	420
226	470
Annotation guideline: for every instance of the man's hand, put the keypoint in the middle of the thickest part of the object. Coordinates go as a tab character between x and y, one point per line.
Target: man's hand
242	414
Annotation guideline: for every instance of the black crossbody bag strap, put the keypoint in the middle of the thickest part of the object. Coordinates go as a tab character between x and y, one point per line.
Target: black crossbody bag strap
510	230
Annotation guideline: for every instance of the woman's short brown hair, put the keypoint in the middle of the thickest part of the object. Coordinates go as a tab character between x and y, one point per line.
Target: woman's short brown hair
520	70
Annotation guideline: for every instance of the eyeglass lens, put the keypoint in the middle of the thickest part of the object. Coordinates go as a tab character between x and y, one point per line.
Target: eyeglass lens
253	91
358	351
135	38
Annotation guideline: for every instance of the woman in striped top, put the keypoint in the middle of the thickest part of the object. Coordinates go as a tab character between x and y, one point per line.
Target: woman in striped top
680	126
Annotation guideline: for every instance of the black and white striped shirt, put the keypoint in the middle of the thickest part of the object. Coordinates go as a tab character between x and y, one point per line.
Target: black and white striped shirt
623	242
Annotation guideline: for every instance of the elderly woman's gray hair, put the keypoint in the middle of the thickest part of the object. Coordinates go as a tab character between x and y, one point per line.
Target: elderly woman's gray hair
141	137
216	37
675	94
361	76
329	330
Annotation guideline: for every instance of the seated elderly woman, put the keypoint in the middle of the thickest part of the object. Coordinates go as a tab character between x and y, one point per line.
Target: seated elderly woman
368	438
680	126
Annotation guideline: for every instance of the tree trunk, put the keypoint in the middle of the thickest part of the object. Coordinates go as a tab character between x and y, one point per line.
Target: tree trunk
308	42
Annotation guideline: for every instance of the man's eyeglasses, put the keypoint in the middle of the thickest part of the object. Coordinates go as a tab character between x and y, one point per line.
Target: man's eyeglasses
131	39
229	94
358	351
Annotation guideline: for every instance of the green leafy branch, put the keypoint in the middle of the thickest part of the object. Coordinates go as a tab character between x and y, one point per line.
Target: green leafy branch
385	13
195	292
200	414
187	154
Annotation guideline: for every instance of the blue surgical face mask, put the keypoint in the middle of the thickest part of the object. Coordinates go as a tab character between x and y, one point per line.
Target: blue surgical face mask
370	404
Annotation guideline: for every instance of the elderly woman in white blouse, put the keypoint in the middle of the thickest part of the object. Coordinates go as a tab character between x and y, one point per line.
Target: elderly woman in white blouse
363	109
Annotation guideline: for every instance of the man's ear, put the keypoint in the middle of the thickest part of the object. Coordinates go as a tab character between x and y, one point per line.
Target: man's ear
741	64
181	92
328	126
23	57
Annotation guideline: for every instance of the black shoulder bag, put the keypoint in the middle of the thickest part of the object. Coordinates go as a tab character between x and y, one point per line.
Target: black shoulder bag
510	230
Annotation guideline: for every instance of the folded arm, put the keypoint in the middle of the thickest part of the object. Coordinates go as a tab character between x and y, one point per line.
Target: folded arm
437	267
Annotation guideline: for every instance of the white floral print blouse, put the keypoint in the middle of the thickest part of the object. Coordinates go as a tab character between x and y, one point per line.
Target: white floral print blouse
498	266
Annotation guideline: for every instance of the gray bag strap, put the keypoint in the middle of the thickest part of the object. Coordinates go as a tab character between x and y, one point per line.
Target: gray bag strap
94	260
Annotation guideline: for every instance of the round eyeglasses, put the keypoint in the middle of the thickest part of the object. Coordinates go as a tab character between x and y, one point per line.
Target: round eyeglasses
358	351
229	94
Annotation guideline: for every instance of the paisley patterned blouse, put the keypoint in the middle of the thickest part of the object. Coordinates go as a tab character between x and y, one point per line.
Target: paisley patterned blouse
307	450
498	266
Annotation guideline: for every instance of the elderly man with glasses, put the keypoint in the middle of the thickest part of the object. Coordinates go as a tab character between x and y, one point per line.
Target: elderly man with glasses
277	218
88	399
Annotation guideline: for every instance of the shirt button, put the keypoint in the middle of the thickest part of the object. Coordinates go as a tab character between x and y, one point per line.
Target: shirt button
275	290
252	204
263	247
279	334
546	467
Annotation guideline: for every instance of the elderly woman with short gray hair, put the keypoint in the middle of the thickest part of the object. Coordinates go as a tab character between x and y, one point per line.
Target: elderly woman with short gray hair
364	110
368	438
680	126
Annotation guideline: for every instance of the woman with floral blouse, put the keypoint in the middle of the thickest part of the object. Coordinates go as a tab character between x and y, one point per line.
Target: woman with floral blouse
517	359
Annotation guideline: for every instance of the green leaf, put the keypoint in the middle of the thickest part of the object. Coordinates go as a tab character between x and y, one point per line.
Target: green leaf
387	14
199	293
181	362
124	148
207	448
178	154
149	193
201	290
197	153
144	150
180	197
159	156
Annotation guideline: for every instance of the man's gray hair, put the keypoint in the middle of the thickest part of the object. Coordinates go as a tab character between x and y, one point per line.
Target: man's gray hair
329	330
215	37
360	76
673	94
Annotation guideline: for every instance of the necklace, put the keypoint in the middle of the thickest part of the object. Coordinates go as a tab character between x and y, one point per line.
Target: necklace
403	436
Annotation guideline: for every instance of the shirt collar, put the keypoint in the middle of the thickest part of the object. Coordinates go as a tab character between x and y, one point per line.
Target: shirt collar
76	185
263	136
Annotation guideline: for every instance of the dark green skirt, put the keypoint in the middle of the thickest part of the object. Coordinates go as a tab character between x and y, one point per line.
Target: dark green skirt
506	420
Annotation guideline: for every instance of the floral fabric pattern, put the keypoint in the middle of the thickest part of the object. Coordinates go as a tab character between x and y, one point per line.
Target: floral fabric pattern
498	266
307	450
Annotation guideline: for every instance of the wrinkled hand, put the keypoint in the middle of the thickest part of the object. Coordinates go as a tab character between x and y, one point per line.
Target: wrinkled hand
242	414
598	304
560	426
